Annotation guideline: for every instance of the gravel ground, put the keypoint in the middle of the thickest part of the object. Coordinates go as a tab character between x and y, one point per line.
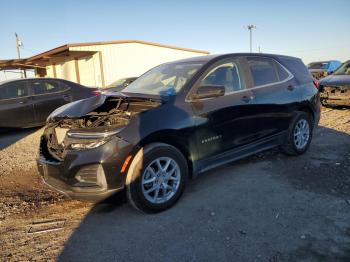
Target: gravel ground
267	207
19	149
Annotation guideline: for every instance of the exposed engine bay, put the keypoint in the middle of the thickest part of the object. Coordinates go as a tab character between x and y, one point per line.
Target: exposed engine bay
113	114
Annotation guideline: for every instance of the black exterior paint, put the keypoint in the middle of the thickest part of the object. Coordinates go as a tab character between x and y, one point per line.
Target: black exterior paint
33	109
208	132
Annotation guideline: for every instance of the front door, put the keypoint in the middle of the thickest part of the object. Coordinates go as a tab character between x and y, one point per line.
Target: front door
225	122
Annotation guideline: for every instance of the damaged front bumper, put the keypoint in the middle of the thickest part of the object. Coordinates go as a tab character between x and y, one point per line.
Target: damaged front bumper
91	174
334	95
81	154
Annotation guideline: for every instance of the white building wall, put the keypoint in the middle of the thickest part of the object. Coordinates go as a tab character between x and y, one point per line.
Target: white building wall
125	60
49	71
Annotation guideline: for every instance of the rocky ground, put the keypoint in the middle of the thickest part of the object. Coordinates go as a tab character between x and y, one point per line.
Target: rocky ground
267	207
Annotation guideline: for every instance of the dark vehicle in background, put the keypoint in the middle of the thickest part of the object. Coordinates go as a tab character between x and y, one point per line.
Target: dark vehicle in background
324	68
28	102
335	88
119	85
175	121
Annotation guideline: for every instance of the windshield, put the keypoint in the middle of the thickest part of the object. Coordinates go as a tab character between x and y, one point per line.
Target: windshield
343	70
321	65
164	80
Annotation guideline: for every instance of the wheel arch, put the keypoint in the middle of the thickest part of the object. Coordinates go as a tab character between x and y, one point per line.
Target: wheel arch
307	109
174	138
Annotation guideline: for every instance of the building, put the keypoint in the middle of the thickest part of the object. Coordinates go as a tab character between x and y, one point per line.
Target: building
99	64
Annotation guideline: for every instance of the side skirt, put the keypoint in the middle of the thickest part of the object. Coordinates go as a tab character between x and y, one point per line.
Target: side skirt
238	153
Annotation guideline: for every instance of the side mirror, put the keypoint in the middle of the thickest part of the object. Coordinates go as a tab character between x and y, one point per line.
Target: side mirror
209	91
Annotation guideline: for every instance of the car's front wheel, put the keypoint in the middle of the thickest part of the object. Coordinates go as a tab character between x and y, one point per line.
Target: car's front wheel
299	135
156	177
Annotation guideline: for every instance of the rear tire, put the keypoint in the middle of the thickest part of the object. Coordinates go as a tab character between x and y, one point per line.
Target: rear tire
299	135
156	178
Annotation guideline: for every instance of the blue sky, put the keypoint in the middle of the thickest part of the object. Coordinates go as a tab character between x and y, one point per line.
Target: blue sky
312	30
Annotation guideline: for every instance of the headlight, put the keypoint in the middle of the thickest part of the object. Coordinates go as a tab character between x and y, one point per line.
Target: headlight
76	140
80	146
90	135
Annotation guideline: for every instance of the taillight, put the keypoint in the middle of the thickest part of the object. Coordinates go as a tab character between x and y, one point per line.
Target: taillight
96	92
316	83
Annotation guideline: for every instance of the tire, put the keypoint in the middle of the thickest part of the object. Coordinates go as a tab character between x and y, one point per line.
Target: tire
165	167
294	146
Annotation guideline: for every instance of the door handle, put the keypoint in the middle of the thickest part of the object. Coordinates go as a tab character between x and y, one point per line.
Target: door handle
66	97
246	99
290	88
23	102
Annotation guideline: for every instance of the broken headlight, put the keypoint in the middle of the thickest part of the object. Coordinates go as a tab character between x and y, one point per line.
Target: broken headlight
87	140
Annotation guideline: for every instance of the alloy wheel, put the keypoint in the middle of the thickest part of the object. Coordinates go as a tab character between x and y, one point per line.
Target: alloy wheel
301	134
161	180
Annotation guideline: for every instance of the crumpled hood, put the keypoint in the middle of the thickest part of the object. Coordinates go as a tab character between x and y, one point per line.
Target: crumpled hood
335	80
78	108
83	107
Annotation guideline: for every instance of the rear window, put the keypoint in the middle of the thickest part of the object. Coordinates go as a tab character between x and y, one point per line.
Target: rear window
297	68
14	90
266	71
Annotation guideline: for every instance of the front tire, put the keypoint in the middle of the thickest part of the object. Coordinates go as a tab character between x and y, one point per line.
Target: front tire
156	178
299	135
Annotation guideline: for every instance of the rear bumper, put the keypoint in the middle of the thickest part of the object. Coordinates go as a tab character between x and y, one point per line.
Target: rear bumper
100	168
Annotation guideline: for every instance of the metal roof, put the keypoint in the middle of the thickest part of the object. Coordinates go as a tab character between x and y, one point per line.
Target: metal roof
63	50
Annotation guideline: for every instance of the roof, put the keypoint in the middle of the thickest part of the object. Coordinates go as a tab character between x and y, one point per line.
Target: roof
66	47
228	55
64	50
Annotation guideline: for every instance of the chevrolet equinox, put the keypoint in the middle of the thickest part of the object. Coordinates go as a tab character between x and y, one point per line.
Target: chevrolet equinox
177	120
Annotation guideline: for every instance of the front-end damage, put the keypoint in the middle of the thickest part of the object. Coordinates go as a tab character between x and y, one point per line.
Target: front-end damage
66	131
81	154
335	95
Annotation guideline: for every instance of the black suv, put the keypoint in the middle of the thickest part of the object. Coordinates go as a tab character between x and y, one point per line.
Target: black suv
177	120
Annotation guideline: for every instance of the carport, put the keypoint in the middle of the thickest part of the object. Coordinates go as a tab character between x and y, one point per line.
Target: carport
98	64
49	61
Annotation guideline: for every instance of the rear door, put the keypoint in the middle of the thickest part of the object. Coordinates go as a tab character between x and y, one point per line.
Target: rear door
16	107
225	122
275	94
48	95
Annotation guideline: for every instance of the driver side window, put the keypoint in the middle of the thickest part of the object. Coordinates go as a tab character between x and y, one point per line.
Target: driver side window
227	75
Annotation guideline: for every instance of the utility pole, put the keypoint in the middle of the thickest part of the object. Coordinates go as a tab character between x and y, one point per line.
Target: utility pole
18	44
250	28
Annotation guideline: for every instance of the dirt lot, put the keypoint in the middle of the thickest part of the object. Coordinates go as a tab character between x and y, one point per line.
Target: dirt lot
268	207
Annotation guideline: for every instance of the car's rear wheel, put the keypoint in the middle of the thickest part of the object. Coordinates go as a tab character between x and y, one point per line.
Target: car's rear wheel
299	135
156	177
